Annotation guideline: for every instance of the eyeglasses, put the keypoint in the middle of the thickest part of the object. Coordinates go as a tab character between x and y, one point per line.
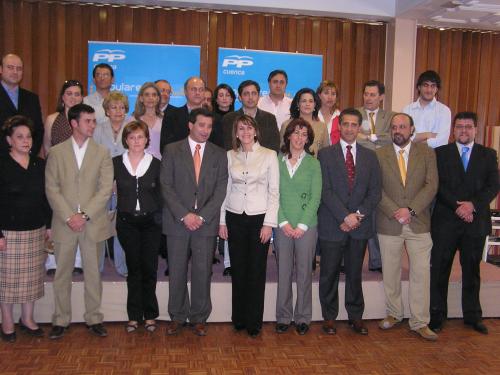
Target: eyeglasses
464	127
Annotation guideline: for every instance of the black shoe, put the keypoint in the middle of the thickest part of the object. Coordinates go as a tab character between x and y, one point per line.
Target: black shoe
238	326
32	332
358	326
98	330
166	271
302	329
253	332
77	271
436	325
51	272
478	326
378	269
215	260
281	327
227	271
57	332
9	337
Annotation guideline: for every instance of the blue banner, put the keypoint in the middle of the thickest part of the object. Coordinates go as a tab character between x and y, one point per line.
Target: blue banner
237	65
136	63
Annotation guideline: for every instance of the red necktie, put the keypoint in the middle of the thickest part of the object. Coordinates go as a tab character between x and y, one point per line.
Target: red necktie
349	164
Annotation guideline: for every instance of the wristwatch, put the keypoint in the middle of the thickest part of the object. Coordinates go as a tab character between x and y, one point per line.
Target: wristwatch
412	211
85	216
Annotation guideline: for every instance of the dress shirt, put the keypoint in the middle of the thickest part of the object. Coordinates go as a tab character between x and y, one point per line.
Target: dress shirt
253	184
281	110
79	151
293	168
192	146
461	146
104	135
336	113
344	144
435	117
95	101
406	153
13	94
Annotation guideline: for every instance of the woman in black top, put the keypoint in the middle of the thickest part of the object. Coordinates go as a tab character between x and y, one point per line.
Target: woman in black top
24	216
138	221
223	99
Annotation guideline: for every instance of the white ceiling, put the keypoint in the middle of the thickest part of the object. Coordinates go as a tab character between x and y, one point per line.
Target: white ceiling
469	14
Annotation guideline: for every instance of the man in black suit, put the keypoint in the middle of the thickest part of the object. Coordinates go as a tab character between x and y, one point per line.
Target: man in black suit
18	101
351	192
248	92
165	91
468	182
175	122
193	182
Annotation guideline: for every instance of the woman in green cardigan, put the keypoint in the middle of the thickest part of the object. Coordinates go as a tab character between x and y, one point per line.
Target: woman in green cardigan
300	194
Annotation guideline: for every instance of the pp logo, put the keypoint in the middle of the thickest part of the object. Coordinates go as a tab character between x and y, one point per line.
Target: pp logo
237	61
109	55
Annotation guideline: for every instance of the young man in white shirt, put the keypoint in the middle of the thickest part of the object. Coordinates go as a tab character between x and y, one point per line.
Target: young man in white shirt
276	102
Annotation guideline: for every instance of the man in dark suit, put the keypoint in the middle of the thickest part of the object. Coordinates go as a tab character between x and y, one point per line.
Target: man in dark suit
248	92
468	182
351	192
15	100
193	182
165	92
175	122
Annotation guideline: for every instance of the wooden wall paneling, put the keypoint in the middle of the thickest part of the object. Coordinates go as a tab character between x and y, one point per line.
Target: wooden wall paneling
360	61
216	24
292	34
465	66
338	28
444	64
329	44
59	70
201	38
316	33
301	31
278	39
8	29
346	76
25	40
493	112
484	83
472	78
228	40
125	24
455	66
78	44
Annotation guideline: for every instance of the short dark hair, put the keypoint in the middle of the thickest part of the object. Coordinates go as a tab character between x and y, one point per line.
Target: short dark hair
15	121
247	120
351	112
75	111
66	85
431	76
132	127
193	115
103	66
412	123
372	83
247	83
466	115
294	105
229	89
276	72
290	128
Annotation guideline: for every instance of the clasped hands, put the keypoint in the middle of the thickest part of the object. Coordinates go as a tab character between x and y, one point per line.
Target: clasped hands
402	215
465	211
291	232
76	222
192	221
351	222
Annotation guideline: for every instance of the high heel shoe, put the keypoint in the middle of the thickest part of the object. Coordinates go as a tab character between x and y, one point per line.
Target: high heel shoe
9	337
32	332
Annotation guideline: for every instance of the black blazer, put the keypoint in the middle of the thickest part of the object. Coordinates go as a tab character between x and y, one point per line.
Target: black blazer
336	200
29	106
175	127
269	134
479	185
149	187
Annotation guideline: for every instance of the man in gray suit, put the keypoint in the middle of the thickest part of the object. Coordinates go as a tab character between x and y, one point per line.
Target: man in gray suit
351	192
193	182
374	133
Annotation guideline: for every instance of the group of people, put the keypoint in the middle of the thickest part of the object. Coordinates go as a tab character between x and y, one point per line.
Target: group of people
300	171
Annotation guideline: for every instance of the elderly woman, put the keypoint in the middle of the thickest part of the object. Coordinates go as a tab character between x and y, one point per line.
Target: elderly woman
138	211
25	215
329	112
109	134
300	194
147	109
57	130
305	105
248	215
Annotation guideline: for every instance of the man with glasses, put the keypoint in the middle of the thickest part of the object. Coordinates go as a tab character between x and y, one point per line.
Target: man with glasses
103	77
432	118
468	182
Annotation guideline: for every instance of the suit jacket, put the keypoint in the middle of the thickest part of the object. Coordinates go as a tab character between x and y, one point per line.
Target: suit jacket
180	191
336	200
382	129
479	185
89	187
269	134
175	127
29	106
418	193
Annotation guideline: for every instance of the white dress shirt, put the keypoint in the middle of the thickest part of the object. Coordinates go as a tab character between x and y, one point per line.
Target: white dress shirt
344	144
192	146
281	110
95	101
435	117
79	151
140	171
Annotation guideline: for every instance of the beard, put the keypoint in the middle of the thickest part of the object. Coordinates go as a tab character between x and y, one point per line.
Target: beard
400	139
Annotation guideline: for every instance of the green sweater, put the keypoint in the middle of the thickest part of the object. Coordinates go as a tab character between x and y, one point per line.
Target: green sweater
300	195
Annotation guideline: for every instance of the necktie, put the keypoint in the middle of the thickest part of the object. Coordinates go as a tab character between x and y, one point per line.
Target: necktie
197	162
402	166
465	160
372	123
349	164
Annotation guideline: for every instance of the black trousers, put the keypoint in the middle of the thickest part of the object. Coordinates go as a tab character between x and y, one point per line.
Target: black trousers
446	243
332	252
248	268
140	238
